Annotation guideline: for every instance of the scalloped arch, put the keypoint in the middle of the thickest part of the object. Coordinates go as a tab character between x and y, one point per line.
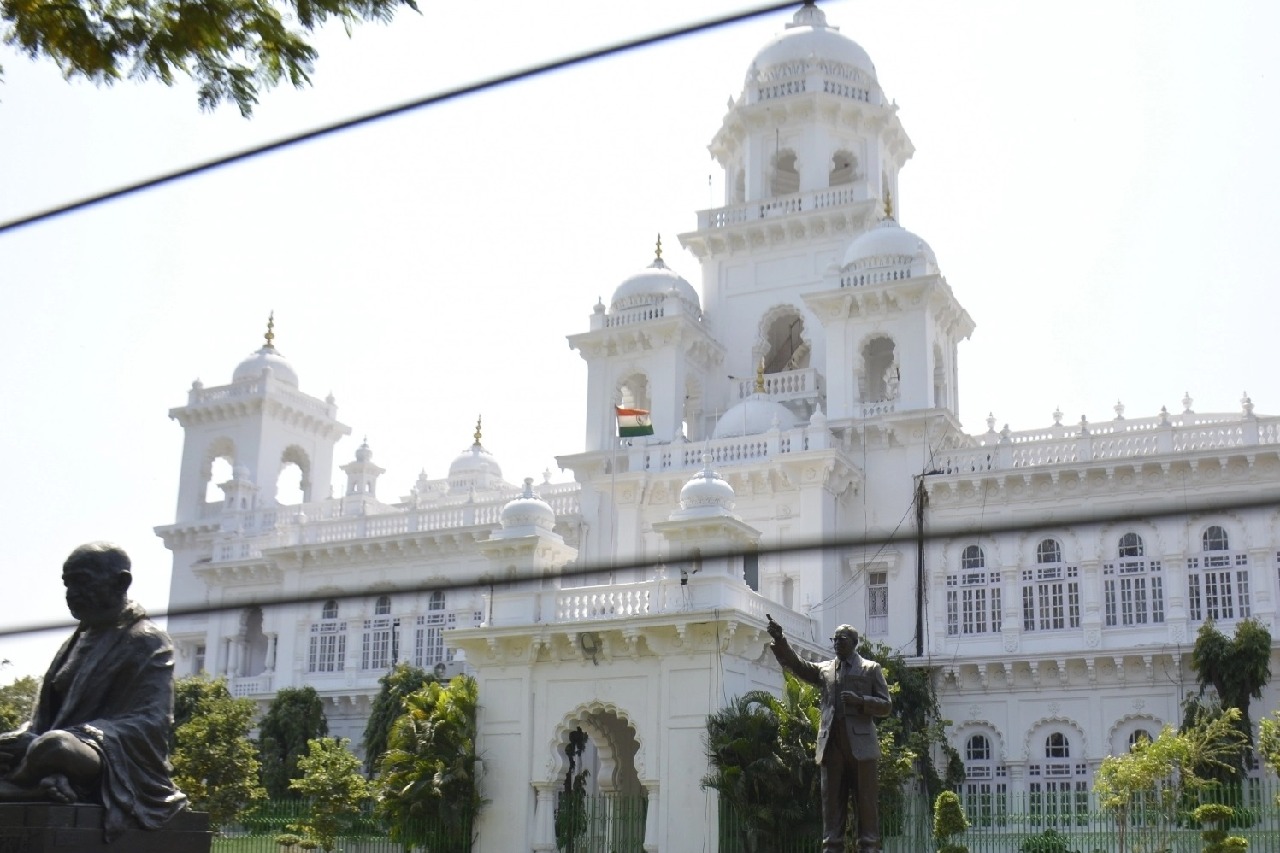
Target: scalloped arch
1126	722
1040	726
558	765
969	728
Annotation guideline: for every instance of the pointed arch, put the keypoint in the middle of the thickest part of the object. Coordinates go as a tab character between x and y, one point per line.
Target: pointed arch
784	173
620	752
294	455
844	168
217	467
781	339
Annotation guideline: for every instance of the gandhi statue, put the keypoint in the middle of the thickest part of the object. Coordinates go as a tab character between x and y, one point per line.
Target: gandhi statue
100	730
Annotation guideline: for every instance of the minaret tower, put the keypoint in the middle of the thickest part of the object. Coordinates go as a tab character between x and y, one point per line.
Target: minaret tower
260	423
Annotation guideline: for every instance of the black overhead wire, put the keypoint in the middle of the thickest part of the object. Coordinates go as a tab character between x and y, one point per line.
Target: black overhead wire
388	112
960	530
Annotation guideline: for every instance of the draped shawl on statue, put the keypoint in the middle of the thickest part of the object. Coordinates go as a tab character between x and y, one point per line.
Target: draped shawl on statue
112	688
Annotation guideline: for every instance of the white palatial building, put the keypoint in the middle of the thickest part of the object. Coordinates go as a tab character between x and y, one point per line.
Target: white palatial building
1058	619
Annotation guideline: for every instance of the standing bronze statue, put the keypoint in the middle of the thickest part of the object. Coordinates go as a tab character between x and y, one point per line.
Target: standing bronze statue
853	694
100	729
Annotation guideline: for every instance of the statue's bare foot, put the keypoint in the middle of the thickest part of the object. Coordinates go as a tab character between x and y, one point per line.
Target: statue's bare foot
58	788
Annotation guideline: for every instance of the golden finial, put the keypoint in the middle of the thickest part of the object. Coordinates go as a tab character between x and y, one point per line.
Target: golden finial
477	432
270	336
658	251
760	376
888	203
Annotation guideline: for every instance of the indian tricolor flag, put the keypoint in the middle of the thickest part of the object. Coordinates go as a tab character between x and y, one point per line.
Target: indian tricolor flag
633	422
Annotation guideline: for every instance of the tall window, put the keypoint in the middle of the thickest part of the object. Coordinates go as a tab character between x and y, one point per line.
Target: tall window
1218	580
1059	787
985	787
973	596
378	644
1133	586
197	663
428	643
1050	591
878	603
328	646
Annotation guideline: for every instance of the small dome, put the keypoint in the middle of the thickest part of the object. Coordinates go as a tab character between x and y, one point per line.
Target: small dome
809	37
888	246
651	286
267	357
752	416
363	453
705	494
528	510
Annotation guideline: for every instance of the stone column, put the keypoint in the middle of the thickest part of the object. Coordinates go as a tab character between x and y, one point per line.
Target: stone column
651	842
273	640
544	830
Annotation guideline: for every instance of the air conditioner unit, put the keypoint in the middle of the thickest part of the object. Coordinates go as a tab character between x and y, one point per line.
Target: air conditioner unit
447	669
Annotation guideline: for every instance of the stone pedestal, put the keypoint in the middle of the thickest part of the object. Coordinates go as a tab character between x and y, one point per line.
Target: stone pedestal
47	828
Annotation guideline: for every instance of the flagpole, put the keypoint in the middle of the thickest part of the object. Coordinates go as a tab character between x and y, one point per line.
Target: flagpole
613	506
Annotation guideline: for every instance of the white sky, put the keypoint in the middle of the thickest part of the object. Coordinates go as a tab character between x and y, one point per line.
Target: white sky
1098	180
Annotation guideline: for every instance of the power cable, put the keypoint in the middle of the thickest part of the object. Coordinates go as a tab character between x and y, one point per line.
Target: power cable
962	530
398	109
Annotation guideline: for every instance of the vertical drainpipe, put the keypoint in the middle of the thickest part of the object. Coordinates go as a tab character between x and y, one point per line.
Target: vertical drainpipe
920	498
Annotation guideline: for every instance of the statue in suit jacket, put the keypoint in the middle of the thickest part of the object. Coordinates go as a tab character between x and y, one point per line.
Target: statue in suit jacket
853	694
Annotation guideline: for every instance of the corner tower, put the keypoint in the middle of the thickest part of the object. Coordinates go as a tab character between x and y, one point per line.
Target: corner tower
260	423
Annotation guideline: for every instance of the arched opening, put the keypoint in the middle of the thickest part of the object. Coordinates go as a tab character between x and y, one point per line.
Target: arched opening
880	374
255	643
739	187
787	348
295	468
633	392
844	169
784	175
219	464
596	756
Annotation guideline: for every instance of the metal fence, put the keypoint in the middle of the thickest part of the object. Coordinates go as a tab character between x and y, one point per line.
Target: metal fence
610	824
1024	822
261	830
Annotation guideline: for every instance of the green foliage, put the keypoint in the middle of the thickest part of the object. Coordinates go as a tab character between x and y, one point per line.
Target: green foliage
1237	668
1217	818
333	787
294	717
288	839
17	702
949	821
1269	743
571	812
230	48
214	762
387	707
1149	786
1049	841
427	789
918	732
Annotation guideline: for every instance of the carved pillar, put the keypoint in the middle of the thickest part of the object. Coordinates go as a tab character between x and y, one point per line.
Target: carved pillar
273	640
651	818
544	829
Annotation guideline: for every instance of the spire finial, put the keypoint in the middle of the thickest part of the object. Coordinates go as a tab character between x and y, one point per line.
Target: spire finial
888	203
657	252
270	336
760	376
477	432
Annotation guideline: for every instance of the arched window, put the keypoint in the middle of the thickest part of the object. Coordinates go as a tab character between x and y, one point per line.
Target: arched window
327	650
972	558
985	787
1214	539
1059	788
788	350
973	596
428	641
1131	545
1050	591
379	646
880	376
844	169
1139	736
1133	586
1218	579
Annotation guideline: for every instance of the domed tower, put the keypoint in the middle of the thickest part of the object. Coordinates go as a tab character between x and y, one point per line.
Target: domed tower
475	469
649	351
261	424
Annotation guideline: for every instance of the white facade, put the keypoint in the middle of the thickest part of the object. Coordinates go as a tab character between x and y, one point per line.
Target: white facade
807	393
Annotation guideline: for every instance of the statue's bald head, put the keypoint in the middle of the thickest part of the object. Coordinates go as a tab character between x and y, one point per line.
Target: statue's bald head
97	578
104	557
